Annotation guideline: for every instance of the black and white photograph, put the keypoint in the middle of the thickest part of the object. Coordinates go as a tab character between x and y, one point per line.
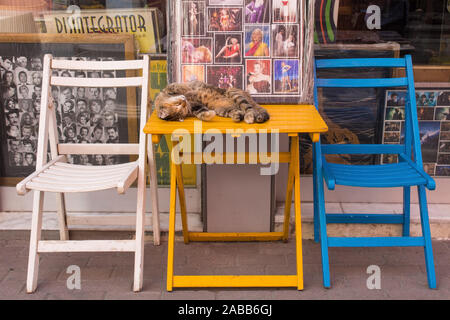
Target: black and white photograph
84	115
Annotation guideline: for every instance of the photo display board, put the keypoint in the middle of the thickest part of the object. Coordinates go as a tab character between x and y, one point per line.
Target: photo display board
254	45
83	115
433	112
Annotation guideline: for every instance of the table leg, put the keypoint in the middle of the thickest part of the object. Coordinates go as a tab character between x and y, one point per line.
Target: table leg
298	221
182	199
172	215
288	201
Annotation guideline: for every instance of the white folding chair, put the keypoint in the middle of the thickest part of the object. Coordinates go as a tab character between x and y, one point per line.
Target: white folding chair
60	177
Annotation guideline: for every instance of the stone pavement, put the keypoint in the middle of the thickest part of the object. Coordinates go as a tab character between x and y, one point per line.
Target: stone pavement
109	275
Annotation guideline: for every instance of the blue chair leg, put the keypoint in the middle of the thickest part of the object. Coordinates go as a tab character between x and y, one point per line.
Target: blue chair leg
323	229
406	210
427	237
316	200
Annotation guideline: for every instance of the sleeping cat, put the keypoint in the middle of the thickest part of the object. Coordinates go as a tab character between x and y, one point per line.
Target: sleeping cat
180	100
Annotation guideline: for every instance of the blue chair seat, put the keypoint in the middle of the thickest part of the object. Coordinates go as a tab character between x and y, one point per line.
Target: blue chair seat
376	176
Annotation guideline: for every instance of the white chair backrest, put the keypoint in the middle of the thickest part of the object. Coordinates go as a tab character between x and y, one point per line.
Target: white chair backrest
47	122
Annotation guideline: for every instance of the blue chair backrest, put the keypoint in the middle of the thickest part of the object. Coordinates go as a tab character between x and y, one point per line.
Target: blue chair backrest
412	138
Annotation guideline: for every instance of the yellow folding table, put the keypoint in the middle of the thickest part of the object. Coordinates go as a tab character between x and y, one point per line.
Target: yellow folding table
290	119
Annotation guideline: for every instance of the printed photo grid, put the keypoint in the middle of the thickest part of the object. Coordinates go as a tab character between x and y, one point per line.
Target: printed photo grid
433	112
84	115
252	45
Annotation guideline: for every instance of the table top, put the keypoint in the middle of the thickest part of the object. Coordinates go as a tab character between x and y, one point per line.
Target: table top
284	118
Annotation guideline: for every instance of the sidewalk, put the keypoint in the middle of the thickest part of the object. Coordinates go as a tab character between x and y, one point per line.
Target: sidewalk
110	275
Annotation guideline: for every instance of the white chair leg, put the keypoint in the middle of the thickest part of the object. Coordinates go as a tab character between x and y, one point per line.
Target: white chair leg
62	217
35	236
154	193
140	232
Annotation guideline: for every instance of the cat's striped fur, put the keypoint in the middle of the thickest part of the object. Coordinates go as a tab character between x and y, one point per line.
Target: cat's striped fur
180	100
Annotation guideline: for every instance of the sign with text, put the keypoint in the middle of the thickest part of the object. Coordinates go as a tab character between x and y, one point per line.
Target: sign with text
144	24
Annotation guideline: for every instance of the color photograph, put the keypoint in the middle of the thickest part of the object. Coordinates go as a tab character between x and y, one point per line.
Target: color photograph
429	168
228	48
284	11
429	140
258	76
224	19
285	41
193	18
257	41
257	11
392	126
395	114
426	98
396	98
442	171
442	113
192	73
225	77
196	50
444	99
391	137
225	2
286	76
424	113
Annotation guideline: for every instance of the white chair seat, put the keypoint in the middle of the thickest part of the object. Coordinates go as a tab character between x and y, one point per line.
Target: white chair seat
66	177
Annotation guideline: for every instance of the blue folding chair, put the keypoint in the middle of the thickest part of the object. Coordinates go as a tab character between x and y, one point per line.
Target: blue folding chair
406	173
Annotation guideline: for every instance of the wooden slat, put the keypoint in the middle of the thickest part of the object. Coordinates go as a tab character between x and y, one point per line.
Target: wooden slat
360	63
376	242
96	82
94	168
76	179
98	148
97	65
21	186
53	187
236	281
235	236
362	148
86	246
361	83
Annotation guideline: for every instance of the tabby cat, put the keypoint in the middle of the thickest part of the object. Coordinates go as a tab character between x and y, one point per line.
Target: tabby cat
180	100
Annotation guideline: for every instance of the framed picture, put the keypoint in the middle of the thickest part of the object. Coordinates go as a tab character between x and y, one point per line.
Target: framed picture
284	11
225	77
84	115
194	24
196	50
228	48
224	19
257	11
257	41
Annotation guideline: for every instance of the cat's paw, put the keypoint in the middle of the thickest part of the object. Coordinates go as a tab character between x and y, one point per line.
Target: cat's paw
249	117
236	115
207	115
256	115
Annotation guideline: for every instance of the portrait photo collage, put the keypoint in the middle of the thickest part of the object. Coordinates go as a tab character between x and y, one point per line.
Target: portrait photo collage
252	45
84	115
433	113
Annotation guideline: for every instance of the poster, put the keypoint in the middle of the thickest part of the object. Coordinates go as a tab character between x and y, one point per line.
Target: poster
144	24
158	81
433	113
254	45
